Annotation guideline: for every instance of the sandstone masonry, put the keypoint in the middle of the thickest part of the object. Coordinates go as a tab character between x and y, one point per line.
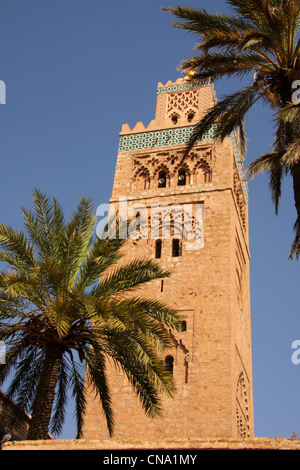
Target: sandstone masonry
207	249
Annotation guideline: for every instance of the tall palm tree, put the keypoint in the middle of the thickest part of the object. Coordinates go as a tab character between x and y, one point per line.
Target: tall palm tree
259	42
57	318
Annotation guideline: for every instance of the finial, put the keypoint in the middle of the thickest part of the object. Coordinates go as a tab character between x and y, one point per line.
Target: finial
190	75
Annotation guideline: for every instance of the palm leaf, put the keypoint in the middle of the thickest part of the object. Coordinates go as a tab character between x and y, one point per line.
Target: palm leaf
98	379
57	419
78	385
15	244
128	277
225	116
261	37
52	306
291	155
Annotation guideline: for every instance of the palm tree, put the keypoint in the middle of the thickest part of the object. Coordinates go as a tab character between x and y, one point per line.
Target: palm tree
57	318
260	43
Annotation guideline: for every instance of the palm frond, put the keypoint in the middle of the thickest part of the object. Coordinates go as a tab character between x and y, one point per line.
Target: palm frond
148	316
276	174
27	369
97	378
127	277
39	222
155	310
292	155
260	36
225	116
262	163
79	236
78	393
59	409
103	254
295	249
271	163
20	285
14	244
147	376
200	21
52	304
289	113
217	65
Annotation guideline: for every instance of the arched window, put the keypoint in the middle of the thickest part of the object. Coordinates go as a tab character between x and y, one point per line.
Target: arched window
176	247
190	116
181	178
158	245
203	174
162	179
169	361
183	325
143	181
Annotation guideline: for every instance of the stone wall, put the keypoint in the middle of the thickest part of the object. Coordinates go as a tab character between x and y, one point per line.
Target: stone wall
257	443
7	418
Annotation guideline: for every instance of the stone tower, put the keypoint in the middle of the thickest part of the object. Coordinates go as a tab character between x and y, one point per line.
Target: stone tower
197	209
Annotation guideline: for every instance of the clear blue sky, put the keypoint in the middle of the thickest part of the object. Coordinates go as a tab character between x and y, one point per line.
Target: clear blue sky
75	71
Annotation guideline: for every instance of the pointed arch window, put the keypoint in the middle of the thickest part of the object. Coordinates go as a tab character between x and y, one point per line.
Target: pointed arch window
176	248
158	246
183	325
144	181
162	179
190	116
182	177
204	174
169	361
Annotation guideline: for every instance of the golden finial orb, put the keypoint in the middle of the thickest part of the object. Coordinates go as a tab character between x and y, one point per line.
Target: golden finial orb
190	75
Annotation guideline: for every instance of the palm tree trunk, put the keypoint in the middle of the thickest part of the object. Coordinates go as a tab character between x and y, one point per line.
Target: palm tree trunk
42	407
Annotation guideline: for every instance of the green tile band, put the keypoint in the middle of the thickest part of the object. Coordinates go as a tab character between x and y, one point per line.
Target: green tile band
184	86
168	137
148	140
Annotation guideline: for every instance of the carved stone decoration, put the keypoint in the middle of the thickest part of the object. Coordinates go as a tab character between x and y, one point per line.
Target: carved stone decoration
242	408
239	196
196	167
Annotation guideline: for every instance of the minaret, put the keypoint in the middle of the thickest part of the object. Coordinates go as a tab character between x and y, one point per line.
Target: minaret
197	226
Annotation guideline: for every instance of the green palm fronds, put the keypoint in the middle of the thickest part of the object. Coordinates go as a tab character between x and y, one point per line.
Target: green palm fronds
66	306
258	42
